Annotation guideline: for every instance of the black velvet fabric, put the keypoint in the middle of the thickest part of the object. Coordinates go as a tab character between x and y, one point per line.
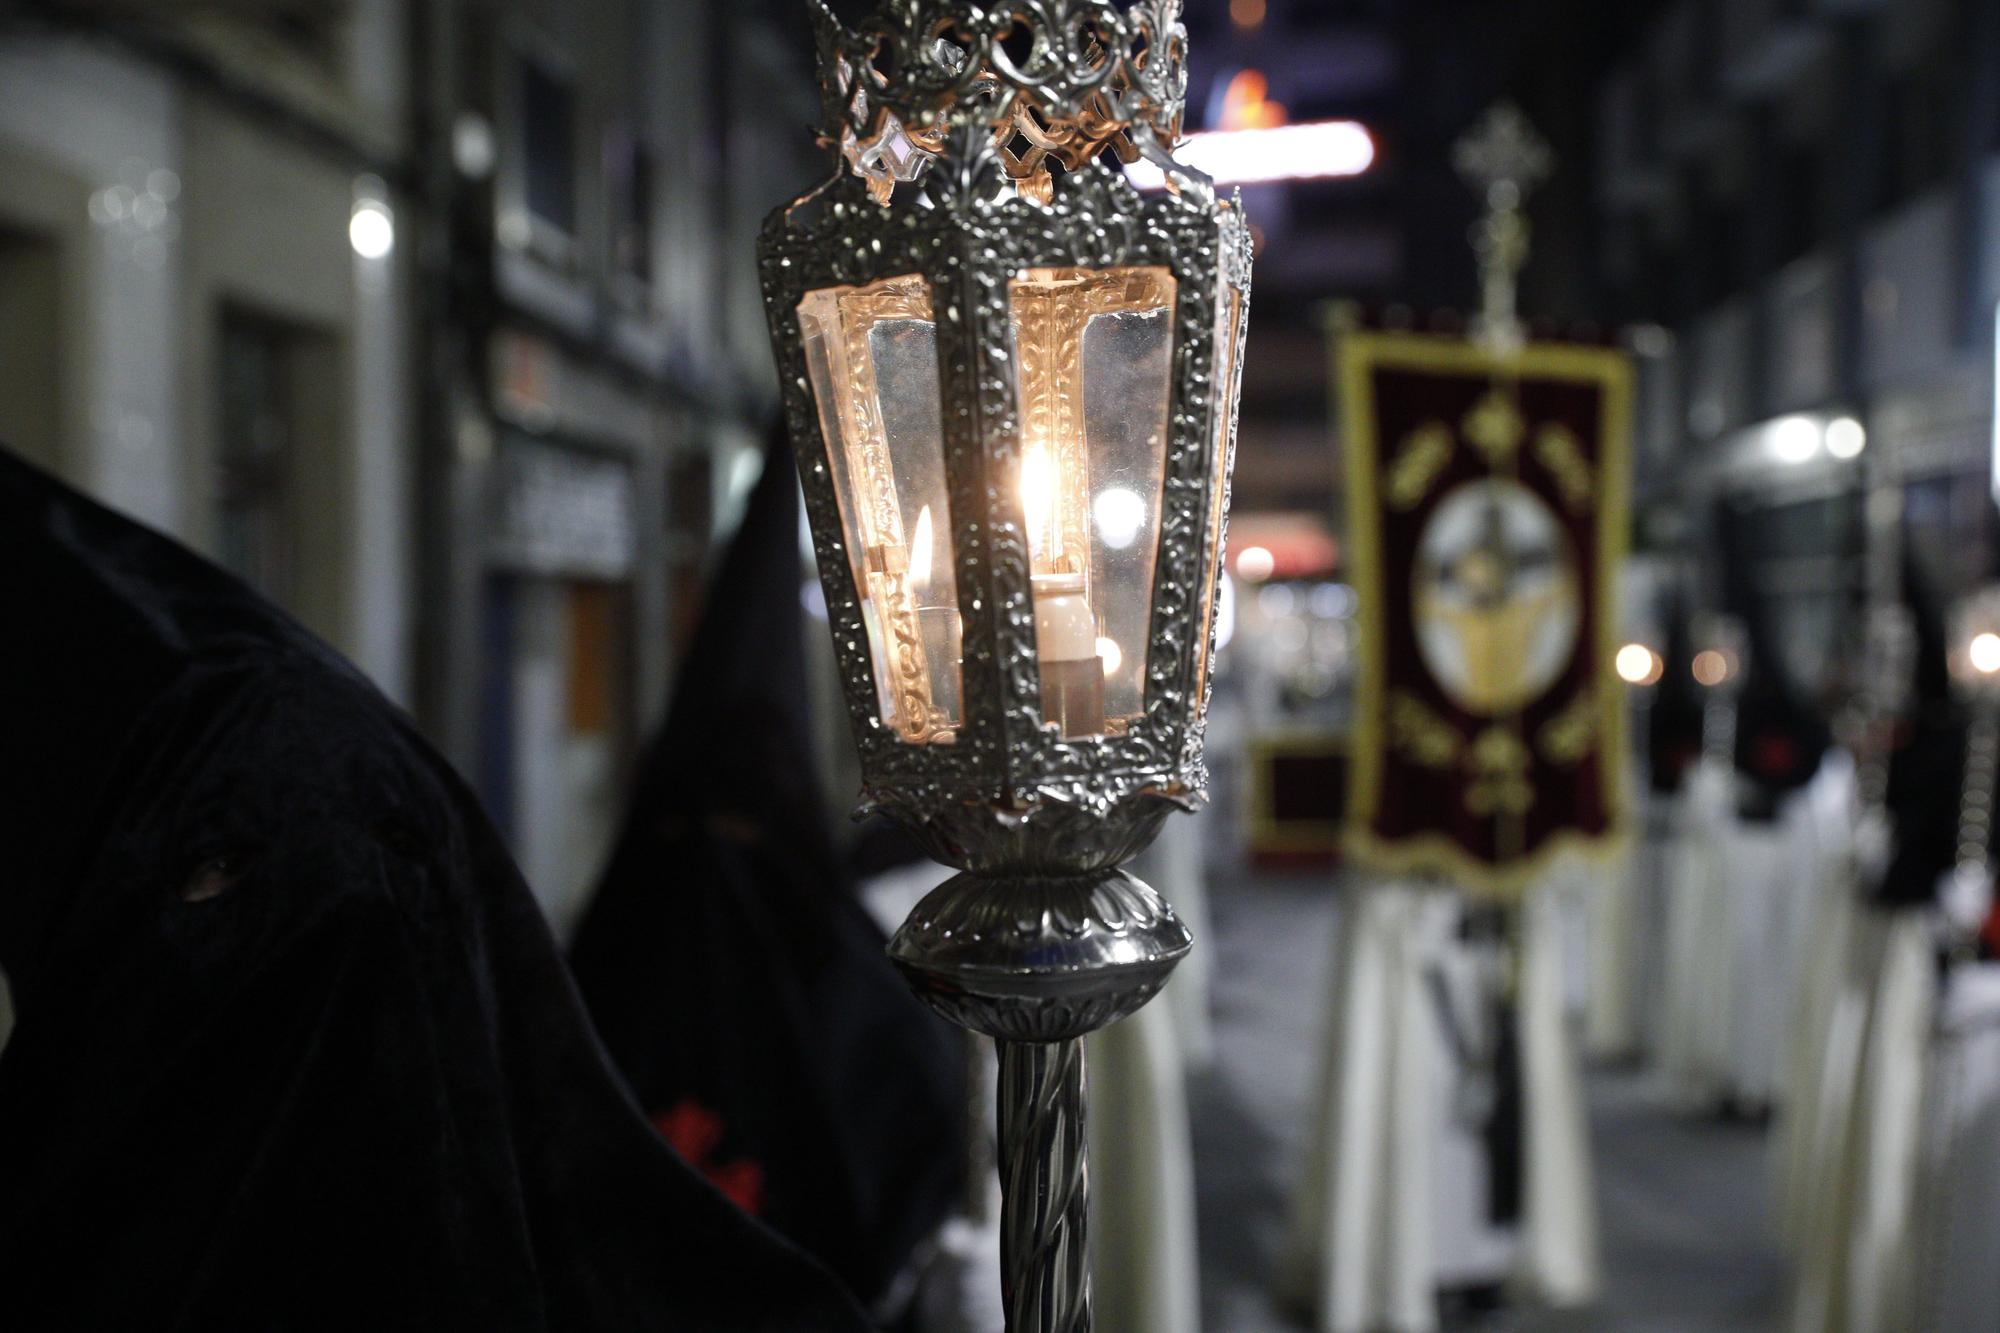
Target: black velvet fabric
294	1048
1780	735
1925	776
737	980
1927	765
1674	722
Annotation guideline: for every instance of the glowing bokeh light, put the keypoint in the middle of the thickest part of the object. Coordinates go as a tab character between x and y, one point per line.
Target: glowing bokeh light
1637	664
1247	13
1794	439
1846	437
1255	563
371	230
1984	653
1120	513
1317	150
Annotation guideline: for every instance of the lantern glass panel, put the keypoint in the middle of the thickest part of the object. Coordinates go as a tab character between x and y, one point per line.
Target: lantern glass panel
1228	321
1093	359
873	356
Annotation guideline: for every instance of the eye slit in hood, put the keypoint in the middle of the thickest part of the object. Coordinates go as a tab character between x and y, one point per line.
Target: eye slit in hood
214	876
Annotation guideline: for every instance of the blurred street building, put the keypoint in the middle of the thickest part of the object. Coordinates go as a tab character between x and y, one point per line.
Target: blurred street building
436	321
1808	197
186	328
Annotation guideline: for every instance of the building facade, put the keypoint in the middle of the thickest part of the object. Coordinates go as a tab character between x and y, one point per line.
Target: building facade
1806	193
438	322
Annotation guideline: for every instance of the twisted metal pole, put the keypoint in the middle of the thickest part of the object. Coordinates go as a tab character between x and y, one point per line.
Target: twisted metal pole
1035	961
1045	1187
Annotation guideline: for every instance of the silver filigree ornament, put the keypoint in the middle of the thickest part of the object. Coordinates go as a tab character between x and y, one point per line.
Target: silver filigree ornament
969	147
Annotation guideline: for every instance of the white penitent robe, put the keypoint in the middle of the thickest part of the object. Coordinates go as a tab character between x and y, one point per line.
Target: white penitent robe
1144	1263
1746	904
1559	1261
1857	1269
1142	1202
1832	979
1829	1022
1694	1039
1742	899
1655	864
1612	909
1360	1250
1176	865
1760	877
1958	1278
1392	1201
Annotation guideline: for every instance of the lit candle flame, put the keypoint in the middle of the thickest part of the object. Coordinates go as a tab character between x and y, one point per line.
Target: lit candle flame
920	552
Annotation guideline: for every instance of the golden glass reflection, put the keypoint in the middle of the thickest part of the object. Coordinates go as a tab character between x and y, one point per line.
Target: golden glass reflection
1093	353
872	353
1228	323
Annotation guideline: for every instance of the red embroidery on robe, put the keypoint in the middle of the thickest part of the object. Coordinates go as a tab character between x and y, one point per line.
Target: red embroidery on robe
694	1132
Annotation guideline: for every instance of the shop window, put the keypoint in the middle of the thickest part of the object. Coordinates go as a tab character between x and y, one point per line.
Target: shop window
31	310
631	172
547	128
252	486
277	444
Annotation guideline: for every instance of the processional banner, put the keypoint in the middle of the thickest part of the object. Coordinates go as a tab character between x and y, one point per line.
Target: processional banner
1487	500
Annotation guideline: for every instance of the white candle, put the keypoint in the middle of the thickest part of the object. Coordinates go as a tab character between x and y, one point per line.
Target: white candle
1065	631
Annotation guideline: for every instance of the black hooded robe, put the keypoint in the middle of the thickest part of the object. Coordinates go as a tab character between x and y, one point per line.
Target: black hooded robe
738	982
294	1049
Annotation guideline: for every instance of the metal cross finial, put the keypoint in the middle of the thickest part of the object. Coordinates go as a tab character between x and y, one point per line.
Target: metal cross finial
1504	159
1503	150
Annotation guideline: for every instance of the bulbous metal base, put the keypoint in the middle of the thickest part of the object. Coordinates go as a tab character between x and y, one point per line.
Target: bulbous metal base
1036	961
1032	957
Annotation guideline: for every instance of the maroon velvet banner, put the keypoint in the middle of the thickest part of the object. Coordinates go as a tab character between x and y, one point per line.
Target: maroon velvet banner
1487	497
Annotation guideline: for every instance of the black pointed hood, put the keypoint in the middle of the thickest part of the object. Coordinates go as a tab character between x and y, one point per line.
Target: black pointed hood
293	1046
736	979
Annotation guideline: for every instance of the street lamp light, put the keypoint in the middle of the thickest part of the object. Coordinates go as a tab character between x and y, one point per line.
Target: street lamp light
1973	660
1011	382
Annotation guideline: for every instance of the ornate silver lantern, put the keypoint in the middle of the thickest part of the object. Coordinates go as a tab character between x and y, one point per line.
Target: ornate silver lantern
1011	382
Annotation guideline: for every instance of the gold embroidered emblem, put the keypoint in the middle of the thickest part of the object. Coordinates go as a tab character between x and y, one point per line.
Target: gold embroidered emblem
1558	450
1494	596
1495	428
1498	762
1572	733
1419	459
1421	734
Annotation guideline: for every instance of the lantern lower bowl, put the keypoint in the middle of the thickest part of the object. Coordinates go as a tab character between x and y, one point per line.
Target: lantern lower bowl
1032	957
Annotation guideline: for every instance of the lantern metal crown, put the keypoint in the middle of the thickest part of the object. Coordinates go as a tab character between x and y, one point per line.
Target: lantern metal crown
1056	82
1011	382
984	331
